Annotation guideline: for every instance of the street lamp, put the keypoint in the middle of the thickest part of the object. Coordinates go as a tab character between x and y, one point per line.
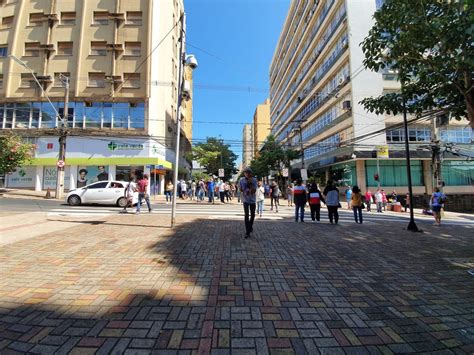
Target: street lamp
191	61
62	130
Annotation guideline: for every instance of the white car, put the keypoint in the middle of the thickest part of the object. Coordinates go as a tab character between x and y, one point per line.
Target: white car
101	192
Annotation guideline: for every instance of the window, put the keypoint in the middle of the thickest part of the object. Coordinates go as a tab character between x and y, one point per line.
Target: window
22	115
35	114
99	48
121	115
134	18
137	115
65	48
96	80
59	79
68	18
133	49
27	80
48	115
3	50
36	19
131	80
32	49
7	22
107	115
93	114
1	84
99	185
101	18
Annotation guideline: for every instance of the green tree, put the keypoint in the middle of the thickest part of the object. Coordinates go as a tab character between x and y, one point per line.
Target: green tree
214	155
429	43
14	153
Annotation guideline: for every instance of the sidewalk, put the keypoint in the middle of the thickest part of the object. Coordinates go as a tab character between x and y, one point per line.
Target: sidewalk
112	286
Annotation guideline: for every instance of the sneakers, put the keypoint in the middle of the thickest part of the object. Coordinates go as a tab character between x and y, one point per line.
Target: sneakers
247	236
137	212
149	211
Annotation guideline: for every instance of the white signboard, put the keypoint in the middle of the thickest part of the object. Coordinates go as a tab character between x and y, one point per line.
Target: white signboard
221	172
304	174
22	177
49	177
284	172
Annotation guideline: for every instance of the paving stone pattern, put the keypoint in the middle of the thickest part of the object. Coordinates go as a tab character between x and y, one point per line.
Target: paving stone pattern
113	288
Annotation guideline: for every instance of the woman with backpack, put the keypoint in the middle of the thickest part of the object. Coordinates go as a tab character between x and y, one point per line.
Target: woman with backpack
437	201
332	201
314	198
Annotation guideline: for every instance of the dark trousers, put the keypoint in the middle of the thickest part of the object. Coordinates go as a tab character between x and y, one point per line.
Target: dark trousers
274	199
315	211
299	213
333	214
249	210
222	195
357	211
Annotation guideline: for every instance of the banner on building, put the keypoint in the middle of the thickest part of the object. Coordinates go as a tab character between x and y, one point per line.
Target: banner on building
50	176
382	152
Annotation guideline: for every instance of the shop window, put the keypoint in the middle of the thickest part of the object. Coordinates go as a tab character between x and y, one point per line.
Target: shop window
137	115
101	18
121	112
125	173
48	115
22	115
32	49
36	19
133	49
131	80
107	115
79	115
35	114
393	173
7	22
68	18
9	115
65	48
70	116
134	18
98	48
458	173
96	80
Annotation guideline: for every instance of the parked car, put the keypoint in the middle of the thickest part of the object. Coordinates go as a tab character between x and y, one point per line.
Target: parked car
101	192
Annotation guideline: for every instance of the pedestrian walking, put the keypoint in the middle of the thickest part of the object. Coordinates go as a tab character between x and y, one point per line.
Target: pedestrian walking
169	191
274	196
142	186
210	190
384	200
348	194
357	205
184	190
300	200
227	192
368	200
260	197
130	189
407	201
437	201
331	193
193	189
378	198
289	194
314	198
221	186
201	190
248	187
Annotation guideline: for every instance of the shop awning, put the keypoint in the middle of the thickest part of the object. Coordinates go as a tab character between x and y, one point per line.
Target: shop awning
104	161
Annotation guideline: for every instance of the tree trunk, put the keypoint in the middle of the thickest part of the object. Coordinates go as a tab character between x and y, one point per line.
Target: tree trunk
470	108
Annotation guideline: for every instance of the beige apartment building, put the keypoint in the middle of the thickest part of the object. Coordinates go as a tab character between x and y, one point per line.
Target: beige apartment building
261	126
317	80
122	66
247	145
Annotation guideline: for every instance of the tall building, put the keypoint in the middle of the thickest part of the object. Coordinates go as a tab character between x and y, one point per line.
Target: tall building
316	83
247	145
121	59
261	126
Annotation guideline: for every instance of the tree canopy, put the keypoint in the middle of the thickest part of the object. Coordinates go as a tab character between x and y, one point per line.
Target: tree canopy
429	43
14	153
214	155
272	157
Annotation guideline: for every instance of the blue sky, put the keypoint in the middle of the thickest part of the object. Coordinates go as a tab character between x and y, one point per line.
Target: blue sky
239	37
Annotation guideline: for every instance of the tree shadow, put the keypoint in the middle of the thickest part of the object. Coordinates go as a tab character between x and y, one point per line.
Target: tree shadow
305	288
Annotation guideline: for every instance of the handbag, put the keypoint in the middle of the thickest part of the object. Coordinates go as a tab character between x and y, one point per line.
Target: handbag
339	205
362	205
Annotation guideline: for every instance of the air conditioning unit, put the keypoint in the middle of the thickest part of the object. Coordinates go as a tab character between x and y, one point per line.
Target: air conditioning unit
346	105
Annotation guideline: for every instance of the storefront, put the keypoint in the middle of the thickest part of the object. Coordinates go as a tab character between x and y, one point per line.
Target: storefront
91	159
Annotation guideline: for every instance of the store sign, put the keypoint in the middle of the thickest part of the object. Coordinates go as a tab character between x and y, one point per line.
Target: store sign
304	174
124	146
284	172
22	178
382	152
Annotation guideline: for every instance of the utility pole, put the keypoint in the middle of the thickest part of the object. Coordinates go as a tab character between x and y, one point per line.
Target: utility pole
62	140
436	158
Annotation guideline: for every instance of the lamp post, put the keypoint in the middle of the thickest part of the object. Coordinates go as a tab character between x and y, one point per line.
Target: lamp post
191	61
63	123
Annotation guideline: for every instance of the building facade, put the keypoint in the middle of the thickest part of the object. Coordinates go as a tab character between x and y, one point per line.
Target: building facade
247	145
122	69
317	80
261	126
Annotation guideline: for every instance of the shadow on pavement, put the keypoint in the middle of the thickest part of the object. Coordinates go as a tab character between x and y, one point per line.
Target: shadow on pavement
302	288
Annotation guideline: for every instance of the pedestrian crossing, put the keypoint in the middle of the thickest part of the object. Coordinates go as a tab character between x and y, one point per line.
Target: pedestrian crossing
220	211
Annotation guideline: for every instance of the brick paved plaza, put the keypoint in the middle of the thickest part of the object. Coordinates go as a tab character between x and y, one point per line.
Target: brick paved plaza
113	287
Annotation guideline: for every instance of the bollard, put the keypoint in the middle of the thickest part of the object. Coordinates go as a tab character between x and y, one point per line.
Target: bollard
48	193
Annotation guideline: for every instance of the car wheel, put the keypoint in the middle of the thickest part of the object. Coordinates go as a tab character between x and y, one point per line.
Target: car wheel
122	202
74	200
